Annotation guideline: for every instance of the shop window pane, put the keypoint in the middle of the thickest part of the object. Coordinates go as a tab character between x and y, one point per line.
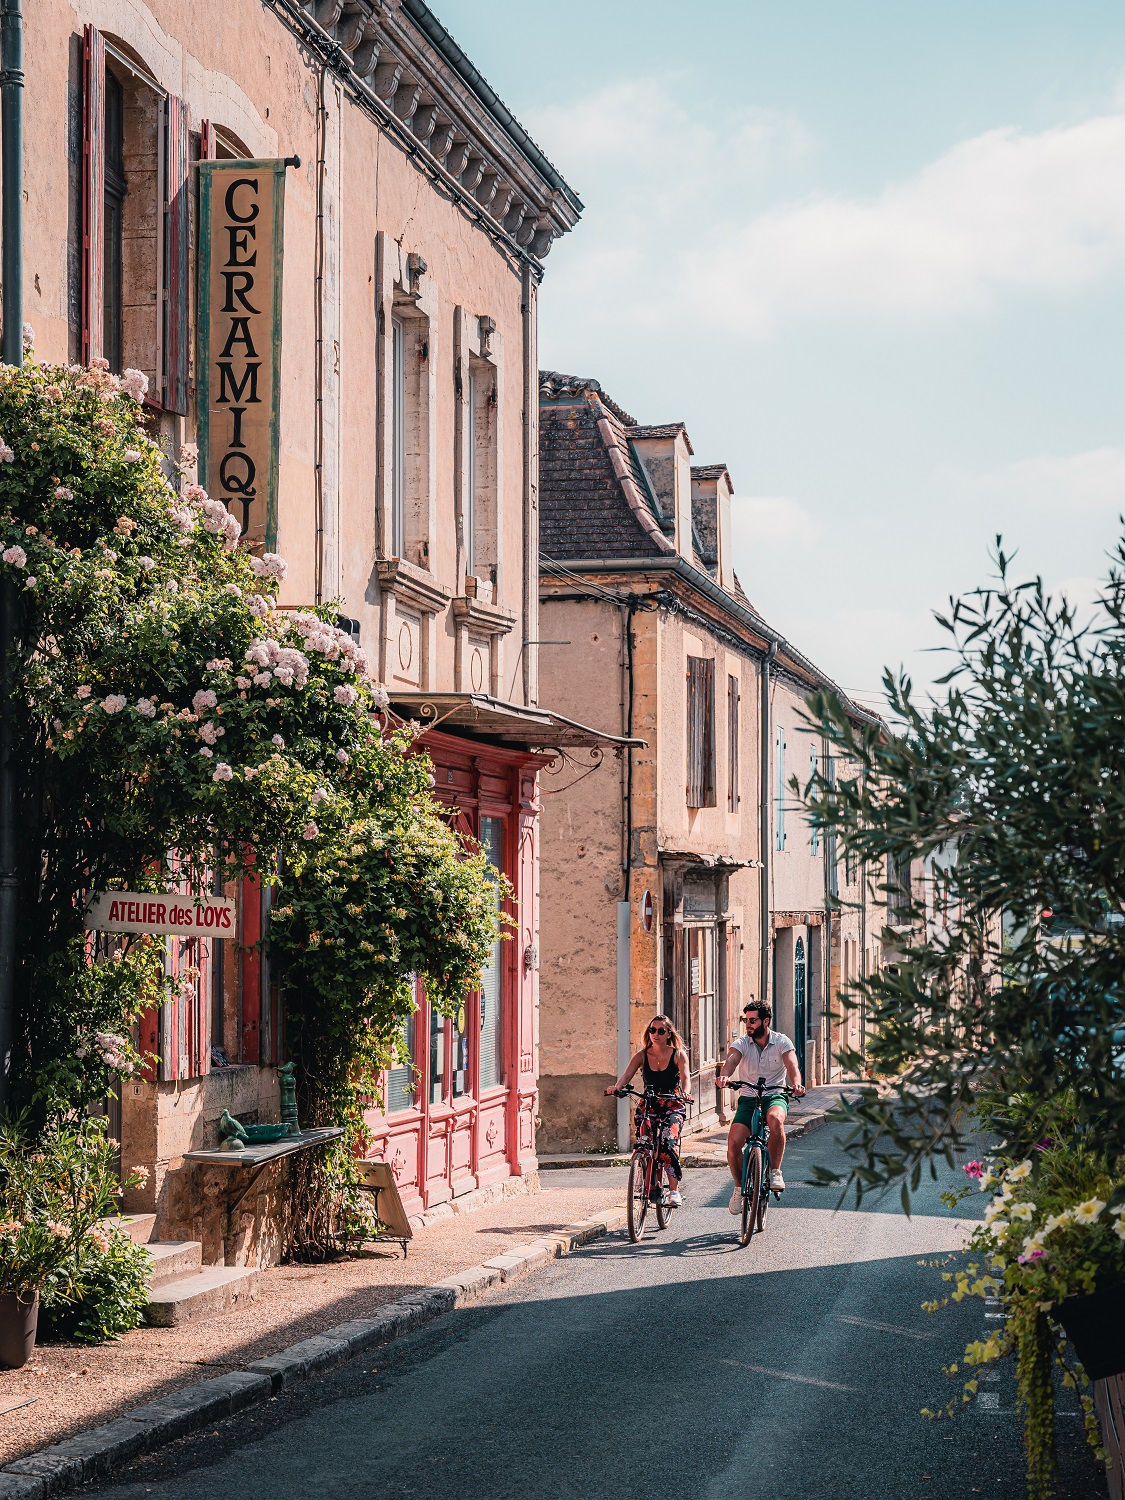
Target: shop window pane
401	1080
461	1081
491	984
437	1058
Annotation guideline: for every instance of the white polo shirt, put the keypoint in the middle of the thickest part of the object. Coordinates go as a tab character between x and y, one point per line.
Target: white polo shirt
763	1062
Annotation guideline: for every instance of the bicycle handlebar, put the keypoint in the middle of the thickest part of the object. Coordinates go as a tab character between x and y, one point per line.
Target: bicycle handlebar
758	1088
647	1094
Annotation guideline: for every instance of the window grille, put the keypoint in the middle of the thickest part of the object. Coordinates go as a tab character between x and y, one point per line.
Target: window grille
701	731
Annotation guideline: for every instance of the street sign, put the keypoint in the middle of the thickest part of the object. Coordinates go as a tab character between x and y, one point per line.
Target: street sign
162	911
646	911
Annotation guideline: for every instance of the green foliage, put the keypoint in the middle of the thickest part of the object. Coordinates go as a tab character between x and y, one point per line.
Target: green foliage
104	1295
388	893
55	1188
1012	789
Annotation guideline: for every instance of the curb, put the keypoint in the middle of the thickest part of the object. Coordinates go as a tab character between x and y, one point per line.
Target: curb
94	1454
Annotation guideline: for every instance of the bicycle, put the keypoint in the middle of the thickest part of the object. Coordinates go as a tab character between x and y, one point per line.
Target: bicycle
645	1169
755	1161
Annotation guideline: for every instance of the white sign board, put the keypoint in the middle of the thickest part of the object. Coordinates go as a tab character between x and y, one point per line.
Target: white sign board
162	911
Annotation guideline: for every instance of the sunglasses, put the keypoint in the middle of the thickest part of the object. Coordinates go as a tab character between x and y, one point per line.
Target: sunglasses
754	1016
659	1031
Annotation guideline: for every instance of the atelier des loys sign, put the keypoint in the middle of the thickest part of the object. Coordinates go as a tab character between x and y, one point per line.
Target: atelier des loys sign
171	912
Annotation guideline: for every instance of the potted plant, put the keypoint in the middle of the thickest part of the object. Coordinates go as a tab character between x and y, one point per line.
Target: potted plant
55	1190
1051	1249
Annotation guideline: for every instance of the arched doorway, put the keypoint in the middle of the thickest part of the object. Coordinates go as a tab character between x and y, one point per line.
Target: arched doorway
800	987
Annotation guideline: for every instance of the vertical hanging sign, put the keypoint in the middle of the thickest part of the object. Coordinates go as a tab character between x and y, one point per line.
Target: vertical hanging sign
241	206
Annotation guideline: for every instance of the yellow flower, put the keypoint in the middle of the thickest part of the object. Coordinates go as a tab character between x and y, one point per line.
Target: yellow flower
1087	1212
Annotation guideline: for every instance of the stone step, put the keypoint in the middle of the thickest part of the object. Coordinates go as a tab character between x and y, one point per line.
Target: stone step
172	1260
138	1227
212	1290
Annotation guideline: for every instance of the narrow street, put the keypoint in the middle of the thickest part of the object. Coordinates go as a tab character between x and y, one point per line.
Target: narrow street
684	1366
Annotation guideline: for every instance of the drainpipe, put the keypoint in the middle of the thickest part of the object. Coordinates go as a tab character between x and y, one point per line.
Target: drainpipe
764	732
11	212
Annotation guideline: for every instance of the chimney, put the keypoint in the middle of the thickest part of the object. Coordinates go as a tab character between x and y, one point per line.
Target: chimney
711	490
664	454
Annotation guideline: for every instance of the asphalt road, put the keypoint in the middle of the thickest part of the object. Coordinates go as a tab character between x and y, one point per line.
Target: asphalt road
685	1366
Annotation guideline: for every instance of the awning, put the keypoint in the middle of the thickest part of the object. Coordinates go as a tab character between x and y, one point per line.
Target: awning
707	861
508	723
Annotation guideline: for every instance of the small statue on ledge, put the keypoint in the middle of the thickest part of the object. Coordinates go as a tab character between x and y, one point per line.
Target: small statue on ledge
288	1087
232	1132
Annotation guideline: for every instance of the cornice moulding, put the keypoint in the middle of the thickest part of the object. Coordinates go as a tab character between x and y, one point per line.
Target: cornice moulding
402	579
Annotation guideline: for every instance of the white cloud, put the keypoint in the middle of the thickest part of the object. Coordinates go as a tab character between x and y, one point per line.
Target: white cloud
674	180
759	521
1089	484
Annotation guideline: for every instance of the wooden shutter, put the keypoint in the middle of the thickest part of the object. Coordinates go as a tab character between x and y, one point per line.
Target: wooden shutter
733	707
814	766
208	148
93	192
174	382
779	764
701	731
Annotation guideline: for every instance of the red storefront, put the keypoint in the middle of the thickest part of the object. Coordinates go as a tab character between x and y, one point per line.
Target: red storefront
462	1115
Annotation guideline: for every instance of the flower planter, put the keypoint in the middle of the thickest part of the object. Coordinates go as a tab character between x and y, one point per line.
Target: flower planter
1095	1325
18	1319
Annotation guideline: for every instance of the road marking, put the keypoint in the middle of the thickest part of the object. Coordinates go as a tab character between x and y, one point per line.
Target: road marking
906	1333
828	1385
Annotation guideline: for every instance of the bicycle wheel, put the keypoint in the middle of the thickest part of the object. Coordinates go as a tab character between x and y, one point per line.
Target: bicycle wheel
637	1206
751	1192
664	1209
764	1196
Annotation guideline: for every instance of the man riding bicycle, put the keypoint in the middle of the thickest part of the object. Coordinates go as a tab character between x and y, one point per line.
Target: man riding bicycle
762	1053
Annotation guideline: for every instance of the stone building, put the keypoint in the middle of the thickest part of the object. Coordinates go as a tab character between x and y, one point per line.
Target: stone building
412	217
690	880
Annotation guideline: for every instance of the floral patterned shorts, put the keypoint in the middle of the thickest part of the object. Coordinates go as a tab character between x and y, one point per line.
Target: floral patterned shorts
663	1122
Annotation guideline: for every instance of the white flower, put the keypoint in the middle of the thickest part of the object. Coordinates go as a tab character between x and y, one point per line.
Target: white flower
209	732
310	831
114	703
1119	1229
6	453
1086	1213
84	691
1018	1172
1057	1221
233	590
223	772
345	694
263	679
1118	1208
189	456
15	555
31	581
342	757
146	708
380	697
28	337
206	752
62	493
135	383
204	698
278	741
132	455
319	796
147	563
1024	1211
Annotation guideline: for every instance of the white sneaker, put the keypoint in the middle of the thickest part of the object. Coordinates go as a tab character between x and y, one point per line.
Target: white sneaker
777	1182
674	1199
735	1204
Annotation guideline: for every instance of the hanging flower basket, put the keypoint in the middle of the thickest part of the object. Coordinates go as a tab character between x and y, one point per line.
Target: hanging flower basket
1095	1325
19	1317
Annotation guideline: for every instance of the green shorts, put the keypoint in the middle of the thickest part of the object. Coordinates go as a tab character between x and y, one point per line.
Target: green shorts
744	1114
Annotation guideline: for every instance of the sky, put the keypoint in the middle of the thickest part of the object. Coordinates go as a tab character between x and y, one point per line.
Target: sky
872	253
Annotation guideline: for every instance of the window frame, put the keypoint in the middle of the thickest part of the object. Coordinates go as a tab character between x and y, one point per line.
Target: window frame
700	723
734	712
398	436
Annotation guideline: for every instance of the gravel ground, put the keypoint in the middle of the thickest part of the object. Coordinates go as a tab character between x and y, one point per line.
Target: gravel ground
74	1388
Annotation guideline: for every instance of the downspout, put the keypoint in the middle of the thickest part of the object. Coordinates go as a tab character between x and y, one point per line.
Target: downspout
11	214
530	649
764	732
625	906
318	337
829	893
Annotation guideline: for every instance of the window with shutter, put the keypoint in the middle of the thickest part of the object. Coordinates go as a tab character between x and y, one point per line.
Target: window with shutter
701	731
733	703
93	192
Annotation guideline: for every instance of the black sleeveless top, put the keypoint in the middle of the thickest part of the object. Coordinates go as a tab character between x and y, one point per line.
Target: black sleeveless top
662	1080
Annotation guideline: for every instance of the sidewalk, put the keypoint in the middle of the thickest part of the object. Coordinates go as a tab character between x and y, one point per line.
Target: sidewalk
709	1148
72	1389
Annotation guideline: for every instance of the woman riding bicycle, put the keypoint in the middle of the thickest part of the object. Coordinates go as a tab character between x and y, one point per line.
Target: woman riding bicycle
666	1073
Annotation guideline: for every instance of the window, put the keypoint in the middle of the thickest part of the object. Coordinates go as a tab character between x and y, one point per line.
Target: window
814	831
135	223
398	437
898	891
732	744
471	479
779	789
478	416
701	731
437	1057
401	1079
491	982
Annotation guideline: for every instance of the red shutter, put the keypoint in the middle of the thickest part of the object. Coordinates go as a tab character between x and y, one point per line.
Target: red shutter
207	145
93	191
174	383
